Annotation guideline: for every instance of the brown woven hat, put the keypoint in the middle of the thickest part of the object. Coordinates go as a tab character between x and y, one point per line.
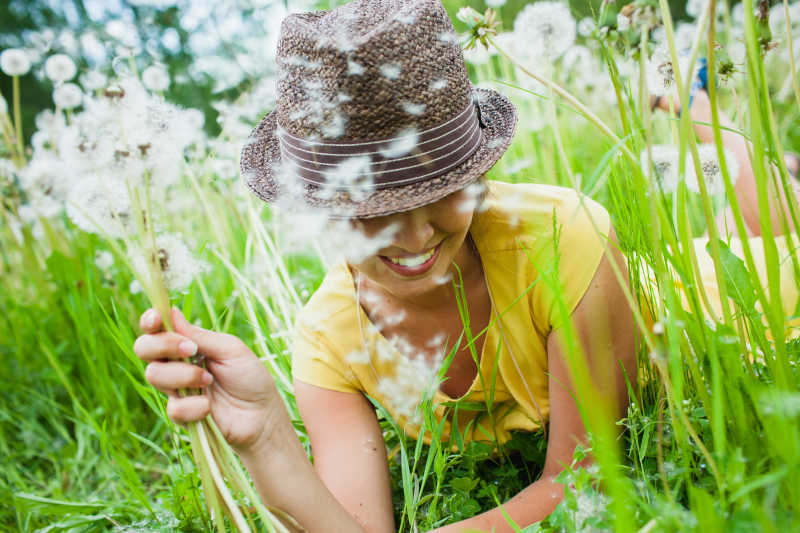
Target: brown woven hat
375	112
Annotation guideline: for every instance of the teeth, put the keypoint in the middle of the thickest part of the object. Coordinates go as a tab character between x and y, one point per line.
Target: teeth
414	260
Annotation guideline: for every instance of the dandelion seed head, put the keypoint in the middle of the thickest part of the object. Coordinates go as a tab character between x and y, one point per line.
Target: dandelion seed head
174	259
100	204
67	96
665	161
547	28
93	80
390	70
60	68
14	62
711	170
156	78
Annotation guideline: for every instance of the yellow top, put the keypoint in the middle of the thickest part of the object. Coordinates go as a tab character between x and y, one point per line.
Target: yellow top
517	234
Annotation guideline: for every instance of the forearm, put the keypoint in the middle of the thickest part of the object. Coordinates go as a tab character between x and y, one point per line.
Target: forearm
285	478
532	504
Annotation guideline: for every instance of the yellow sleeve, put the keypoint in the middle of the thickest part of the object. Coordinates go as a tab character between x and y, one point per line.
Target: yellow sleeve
315	362
582	228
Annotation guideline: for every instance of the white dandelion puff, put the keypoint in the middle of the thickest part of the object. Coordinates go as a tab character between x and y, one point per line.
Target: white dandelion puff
390	70
711	170
156	78
413	108
60	68
665	166
135	287
93	80
401	145
14	62
175	261
67	96
623	22
100	205
547	28
586	26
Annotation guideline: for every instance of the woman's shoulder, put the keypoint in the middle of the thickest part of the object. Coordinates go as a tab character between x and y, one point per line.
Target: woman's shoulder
515	215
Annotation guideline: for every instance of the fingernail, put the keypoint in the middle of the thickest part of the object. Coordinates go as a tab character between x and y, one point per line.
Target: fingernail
149	319
207	378
188	347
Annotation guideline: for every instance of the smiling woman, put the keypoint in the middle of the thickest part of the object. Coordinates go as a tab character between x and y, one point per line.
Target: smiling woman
377	123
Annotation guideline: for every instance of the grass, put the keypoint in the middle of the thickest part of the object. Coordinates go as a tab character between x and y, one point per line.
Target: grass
711	440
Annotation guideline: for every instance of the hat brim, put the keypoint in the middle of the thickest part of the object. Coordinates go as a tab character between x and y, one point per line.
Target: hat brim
261	168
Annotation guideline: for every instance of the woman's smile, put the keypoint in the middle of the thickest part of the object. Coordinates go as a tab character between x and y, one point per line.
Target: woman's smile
411	265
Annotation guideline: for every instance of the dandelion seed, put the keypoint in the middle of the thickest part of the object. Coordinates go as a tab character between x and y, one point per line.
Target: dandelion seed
343	97
547	28
135	287
67	96
358	357
406	18
413	381
448	37
14	62
665	162
390	70
353	175
353	68
413	108
335	126
340	235
60	68
437	85
468	16
496	143
156	78
495	3
443	279
403	144
473	194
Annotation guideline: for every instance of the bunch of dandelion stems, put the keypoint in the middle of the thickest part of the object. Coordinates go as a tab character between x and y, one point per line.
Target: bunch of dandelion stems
216	461
670	239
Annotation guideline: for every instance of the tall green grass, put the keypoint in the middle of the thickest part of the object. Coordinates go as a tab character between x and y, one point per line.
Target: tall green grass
711	439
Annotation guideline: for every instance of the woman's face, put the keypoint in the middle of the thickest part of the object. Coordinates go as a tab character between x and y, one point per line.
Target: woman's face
424	245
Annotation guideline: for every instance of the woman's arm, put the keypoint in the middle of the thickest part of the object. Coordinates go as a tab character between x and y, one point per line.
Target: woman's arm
349	453
605	327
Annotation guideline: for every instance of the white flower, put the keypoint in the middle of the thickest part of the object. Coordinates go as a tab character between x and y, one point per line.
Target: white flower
156	78
59	68
665	161
93	80
103	259
545	28
14	62
711	170
67	96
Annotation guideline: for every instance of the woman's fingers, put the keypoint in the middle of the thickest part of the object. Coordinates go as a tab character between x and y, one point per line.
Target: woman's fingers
188	408
164	345
176	375
212	344
150	321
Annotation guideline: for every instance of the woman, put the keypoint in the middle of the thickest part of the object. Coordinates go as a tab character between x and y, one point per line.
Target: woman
357	83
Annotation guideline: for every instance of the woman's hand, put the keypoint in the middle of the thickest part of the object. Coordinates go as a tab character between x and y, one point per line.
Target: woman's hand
237	389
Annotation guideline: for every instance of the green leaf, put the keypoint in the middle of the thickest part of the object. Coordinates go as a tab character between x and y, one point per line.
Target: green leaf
737	279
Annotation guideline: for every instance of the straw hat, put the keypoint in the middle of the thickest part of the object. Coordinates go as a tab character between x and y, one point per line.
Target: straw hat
375	112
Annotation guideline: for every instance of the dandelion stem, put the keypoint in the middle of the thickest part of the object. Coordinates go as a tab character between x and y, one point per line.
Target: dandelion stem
793	71
18	118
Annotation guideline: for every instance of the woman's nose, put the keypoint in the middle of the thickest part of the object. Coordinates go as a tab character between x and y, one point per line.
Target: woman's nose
414	231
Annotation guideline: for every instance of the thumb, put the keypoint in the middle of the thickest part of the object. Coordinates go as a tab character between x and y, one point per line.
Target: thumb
212	344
